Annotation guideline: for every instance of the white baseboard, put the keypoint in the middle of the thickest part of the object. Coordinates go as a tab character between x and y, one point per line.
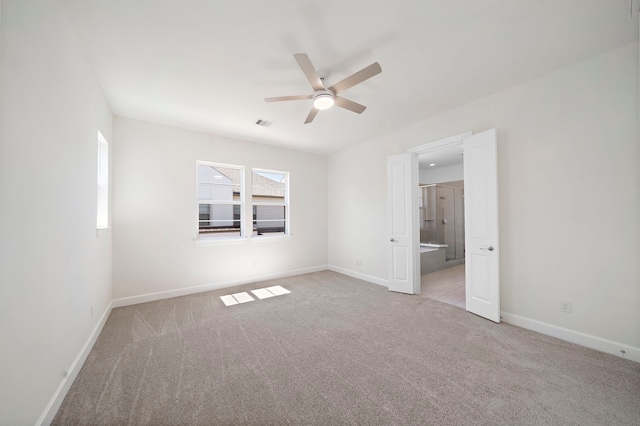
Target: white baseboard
54	404
152	297
359	275
607	346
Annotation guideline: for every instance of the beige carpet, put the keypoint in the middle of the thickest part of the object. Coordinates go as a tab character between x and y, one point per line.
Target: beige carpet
339	351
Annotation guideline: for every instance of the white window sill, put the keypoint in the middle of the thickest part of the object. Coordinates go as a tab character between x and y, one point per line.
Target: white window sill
103	231
269	238
207	242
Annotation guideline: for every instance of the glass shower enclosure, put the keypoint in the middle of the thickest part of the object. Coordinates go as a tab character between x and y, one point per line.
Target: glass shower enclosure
442	218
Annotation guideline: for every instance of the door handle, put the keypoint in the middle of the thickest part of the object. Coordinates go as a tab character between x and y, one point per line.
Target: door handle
393	240
490	248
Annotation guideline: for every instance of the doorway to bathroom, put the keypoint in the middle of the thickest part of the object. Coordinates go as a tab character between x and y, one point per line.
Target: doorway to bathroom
441	216
481	247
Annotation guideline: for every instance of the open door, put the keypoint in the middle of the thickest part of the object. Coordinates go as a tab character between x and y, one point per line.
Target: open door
403	223
482	252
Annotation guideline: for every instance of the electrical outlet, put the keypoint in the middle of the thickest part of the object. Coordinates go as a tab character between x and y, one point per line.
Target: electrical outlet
565	306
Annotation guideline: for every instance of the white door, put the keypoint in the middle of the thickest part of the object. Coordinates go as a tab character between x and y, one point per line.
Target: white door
481	225
403	224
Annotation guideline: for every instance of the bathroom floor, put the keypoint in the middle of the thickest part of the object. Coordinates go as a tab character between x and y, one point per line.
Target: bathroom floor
445	285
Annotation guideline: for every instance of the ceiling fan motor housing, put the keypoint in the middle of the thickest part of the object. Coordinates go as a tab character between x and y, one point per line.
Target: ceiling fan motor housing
323	99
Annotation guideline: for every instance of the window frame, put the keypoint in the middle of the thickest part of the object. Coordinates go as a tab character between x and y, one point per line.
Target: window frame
201	238
285	203
102	184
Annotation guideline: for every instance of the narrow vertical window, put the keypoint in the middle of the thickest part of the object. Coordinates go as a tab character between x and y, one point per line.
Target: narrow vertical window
220	200
103	182
270	202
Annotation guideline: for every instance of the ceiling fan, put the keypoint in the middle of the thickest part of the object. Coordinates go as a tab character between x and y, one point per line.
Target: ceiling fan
325	97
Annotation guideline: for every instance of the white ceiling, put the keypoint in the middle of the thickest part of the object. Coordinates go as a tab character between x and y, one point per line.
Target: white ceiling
207	65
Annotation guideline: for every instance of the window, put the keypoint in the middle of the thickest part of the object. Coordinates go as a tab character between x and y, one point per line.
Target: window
270	202
220	200
103	182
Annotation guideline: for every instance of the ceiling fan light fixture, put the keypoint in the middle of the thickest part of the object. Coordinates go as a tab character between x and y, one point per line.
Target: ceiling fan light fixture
324	97
323	100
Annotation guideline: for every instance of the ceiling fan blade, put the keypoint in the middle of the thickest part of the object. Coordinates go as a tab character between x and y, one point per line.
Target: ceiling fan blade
350	105
357	78
287	98
311	116
309	71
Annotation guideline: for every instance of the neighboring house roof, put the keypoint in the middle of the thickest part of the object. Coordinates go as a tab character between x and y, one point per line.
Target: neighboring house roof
262	186
233	174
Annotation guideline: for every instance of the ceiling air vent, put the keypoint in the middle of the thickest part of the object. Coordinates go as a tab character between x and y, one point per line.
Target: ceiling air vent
264	123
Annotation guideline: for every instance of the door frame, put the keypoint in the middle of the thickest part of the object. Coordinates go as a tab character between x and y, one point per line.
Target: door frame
434	146
440	143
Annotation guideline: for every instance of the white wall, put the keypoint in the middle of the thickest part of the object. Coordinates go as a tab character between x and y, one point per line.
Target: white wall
54	270
567	151
442	174
155	211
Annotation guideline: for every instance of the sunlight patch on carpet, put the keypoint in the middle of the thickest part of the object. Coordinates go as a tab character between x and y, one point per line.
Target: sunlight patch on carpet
278	290
228	300
261	293
243	297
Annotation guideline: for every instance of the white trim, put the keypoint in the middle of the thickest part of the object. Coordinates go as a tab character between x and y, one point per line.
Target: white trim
451	140
103	231
56	400
161	295
359	275
603	345
216	241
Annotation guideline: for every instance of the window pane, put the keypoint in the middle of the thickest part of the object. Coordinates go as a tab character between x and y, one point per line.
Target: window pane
267	186
269	219
220	195
269	195
103	182
218	183
211	192
219	220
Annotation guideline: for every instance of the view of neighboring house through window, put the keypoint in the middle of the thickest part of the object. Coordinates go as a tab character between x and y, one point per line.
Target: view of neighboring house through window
220	200
103	182
270	202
